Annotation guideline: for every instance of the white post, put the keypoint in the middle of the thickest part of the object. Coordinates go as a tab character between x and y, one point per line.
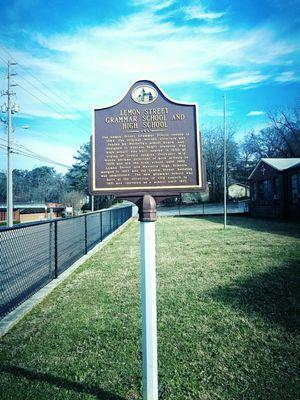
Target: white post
9	194
149	327
92	201
225	166
10	109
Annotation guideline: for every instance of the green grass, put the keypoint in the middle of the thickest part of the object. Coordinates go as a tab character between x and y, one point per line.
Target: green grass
228	319
4	223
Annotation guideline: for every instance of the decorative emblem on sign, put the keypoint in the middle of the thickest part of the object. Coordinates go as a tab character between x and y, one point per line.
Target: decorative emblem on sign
144	94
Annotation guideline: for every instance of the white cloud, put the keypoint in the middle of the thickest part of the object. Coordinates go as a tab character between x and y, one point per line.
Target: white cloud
211	111
211	29
255	113
199	12
153	4
60	153
242	79
40	111
288	76
96	65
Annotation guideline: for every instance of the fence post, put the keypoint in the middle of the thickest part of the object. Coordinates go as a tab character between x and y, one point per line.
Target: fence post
101	231
55	251
51	240
110	215
85	234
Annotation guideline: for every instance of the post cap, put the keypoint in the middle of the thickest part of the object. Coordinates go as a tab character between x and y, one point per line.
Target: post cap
147	209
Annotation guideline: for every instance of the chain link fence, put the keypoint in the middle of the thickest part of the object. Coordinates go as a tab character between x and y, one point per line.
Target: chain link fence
31	255
240	207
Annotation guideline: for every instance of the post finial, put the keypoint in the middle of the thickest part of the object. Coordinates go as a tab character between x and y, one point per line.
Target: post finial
147	209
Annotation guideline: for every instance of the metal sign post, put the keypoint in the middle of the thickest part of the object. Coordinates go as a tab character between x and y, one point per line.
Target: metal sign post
147	218
144	149
225	167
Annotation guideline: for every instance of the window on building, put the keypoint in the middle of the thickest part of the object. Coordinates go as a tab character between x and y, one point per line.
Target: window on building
260	192
265	192
268	191
295	186
276	188
254	191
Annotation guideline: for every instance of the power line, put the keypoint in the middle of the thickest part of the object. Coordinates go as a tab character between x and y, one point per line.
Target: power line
51	99
41	156
52	91
3	58
41	159
22	150
42	83
29	153
50	106
47	96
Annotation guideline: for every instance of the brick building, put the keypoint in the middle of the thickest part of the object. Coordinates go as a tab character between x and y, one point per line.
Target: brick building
28	212
275	188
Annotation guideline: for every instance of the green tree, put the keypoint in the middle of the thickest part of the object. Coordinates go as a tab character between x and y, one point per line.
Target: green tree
45	184
2	187
78	177
38	185
21	186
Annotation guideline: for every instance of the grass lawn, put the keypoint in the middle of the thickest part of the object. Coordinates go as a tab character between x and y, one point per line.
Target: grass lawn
4	223
228	319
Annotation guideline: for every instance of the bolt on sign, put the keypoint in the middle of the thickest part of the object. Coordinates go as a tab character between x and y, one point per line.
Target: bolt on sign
146	144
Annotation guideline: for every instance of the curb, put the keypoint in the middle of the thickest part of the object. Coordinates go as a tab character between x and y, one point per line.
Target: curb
24	308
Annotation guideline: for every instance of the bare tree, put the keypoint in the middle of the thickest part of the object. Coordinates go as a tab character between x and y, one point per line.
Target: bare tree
213	153
285	132
74	199
280	139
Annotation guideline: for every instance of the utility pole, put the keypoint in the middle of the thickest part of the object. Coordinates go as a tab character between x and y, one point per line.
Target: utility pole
9	109
225	166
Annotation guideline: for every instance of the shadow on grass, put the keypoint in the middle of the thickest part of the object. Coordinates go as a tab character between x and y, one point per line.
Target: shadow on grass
274	295
60	382
285	228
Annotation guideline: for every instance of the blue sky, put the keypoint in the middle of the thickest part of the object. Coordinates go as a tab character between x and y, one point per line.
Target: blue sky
90	52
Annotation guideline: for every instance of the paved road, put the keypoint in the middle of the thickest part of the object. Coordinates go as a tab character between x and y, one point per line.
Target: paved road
203	209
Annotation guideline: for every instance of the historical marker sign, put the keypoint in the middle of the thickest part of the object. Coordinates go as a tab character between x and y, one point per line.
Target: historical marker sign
145	147
146	143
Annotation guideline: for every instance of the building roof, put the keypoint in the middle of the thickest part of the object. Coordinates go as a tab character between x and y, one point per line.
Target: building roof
280	164
239	184
26	206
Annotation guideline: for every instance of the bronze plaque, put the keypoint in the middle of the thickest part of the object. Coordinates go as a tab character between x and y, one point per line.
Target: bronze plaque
146	143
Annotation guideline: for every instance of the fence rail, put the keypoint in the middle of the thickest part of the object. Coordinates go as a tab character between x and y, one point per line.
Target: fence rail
33	254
